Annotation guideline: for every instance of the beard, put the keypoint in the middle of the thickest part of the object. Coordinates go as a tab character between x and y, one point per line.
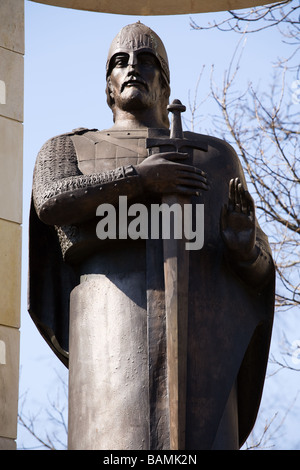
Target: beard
138	99
135	98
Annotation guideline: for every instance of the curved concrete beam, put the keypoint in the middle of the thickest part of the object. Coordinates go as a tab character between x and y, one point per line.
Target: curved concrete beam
153	7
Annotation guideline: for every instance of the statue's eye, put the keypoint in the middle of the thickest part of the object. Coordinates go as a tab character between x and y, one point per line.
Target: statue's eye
147	59
120	61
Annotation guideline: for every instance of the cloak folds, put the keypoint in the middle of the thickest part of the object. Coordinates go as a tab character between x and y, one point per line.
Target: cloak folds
50	283
230	319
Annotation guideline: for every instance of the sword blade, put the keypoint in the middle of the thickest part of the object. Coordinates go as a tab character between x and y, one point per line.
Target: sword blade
176	273
176	276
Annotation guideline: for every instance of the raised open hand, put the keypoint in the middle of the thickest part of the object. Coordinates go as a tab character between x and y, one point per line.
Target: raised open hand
238	222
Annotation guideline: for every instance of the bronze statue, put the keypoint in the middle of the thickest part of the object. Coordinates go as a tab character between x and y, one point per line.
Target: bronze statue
119	387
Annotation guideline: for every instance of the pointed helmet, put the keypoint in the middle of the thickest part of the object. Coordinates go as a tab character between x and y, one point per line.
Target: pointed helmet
137	37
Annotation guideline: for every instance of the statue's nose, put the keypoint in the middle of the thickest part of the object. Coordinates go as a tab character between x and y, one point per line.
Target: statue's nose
133	60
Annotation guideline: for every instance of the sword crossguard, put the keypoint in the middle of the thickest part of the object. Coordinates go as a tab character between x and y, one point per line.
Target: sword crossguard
176	139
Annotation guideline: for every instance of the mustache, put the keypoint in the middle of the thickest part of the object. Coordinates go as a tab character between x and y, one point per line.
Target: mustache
131	80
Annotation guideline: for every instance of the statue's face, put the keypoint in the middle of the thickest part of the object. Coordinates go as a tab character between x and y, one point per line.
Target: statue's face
135	80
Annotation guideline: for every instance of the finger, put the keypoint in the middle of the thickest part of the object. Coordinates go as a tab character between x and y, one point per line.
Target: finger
192	170
236	194
197	185
242	199
250	205
246	200
188	191
231	196
174	156
194	176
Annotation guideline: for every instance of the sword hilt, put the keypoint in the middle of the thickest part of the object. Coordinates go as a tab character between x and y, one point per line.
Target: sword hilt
176	108
176	139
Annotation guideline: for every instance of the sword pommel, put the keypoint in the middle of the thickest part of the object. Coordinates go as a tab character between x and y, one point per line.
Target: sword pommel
176	107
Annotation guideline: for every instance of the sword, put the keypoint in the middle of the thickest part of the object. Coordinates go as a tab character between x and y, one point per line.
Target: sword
176	277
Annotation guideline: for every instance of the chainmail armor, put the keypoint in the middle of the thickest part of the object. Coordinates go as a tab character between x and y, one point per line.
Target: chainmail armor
54	175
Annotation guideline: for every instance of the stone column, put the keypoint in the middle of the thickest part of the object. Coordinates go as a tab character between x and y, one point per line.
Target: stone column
11	149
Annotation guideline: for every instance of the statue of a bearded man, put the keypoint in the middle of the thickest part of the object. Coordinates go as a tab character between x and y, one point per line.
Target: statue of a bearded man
100	301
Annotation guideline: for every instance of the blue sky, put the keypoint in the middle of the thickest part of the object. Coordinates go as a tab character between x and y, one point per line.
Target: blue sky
65	56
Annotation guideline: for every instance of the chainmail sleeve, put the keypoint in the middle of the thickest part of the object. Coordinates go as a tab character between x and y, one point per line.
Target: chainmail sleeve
60	190
52	172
